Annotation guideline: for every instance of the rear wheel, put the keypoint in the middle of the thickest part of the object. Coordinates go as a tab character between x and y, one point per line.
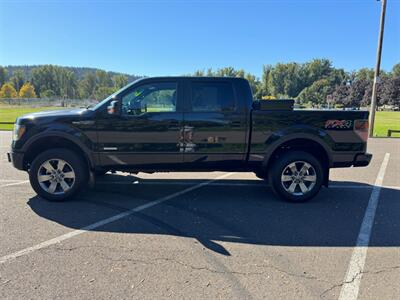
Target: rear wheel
297	176
58	174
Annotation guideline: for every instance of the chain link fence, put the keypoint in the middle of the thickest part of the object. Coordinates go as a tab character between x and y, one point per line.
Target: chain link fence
44	102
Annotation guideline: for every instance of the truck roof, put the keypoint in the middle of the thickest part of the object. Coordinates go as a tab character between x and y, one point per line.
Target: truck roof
205	78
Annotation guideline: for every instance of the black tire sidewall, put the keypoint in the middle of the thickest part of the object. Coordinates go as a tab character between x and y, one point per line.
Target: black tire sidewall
282	162
72	158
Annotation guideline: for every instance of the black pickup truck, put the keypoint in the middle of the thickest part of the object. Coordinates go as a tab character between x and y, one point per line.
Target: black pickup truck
189	124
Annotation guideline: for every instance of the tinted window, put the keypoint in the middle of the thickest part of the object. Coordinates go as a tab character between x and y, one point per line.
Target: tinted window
212	96
153	97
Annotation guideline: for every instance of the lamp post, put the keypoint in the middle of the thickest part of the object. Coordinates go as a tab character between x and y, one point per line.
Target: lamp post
377	71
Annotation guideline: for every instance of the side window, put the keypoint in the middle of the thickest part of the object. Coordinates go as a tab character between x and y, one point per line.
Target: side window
153	97
212	96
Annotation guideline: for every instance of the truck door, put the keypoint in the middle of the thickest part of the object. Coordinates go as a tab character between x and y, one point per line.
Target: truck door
147	133
214	129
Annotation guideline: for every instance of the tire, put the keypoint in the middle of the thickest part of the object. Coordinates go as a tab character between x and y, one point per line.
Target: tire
58	174
296	176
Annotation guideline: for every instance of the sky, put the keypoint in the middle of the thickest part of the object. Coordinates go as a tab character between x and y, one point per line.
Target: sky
177	37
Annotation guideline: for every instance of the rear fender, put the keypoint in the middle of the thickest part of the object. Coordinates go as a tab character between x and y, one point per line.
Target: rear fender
277	139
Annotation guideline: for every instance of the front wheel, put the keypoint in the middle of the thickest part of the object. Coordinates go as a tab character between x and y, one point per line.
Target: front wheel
58	174
297	176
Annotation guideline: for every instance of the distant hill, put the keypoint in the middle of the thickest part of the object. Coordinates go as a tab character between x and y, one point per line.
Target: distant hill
78	71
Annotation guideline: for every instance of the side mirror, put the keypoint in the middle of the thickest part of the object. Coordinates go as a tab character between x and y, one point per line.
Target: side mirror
113	108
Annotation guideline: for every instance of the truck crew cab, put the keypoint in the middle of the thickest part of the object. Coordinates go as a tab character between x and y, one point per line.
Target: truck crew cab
189	124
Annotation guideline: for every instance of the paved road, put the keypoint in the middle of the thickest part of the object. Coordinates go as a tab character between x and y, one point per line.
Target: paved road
182	235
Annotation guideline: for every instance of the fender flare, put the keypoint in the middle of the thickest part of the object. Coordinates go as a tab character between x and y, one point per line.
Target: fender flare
275	142
59	134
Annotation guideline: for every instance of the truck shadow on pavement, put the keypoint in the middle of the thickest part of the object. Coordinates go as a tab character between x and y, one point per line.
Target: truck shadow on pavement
235	211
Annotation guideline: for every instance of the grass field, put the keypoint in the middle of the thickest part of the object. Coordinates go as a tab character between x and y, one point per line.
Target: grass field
11	113
384	119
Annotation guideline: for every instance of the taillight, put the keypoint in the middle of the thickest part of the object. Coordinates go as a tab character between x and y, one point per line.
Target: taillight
361	128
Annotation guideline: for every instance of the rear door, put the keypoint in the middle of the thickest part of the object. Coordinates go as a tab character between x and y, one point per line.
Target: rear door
214	130
147	132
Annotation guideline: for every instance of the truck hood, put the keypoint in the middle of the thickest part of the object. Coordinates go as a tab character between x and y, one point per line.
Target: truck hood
52	115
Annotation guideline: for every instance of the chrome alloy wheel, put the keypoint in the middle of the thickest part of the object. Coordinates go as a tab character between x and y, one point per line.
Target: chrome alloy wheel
298	178
56	176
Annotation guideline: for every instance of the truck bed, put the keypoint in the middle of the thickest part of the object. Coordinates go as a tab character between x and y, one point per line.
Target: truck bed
327	127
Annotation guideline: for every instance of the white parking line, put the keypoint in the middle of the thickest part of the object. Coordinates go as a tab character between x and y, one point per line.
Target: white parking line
351	283
10	180
105	221
15	183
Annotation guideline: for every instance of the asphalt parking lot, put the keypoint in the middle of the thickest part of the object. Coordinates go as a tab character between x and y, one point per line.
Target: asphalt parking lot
204	236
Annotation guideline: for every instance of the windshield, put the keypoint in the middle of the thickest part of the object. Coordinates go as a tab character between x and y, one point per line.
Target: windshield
101	103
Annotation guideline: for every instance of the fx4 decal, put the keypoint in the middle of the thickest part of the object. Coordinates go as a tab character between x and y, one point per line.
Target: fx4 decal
339	124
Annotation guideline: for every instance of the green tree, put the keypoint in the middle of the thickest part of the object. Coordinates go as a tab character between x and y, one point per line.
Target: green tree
199	73
266	90
103	92
3	75
242	74
316	79
120	81
396	70
286	80
67	83
317	69
364	74
27	91
18	79
8	91
226	72
47	94
103	78
45	78
316	94
338	77
255	85
87	86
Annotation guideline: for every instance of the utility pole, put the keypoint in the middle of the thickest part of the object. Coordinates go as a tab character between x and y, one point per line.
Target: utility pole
377	71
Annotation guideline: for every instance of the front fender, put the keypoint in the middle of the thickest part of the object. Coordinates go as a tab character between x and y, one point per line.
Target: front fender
64	132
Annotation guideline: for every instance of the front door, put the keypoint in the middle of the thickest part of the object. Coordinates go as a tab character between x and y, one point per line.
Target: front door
147	132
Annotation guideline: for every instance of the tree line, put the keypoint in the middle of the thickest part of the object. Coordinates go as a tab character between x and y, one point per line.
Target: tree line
49	81
315	83
318	84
